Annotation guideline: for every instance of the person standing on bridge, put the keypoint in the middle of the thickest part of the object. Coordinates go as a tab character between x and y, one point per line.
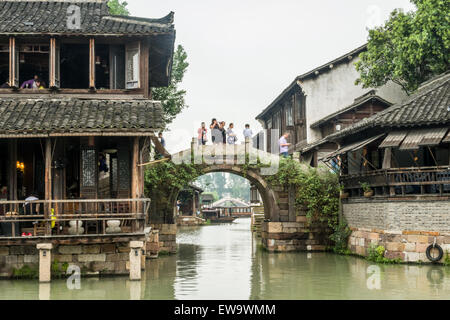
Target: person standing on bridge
248	133
223	132
231	135
284	145
201	138
215	132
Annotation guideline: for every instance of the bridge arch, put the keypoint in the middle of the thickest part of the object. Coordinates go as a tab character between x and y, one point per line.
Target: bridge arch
269	197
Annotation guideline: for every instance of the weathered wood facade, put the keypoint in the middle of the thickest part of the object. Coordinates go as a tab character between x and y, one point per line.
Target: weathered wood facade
78	142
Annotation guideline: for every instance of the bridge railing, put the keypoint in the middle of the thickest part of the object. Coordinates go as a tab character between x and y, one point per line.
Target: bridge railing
237	154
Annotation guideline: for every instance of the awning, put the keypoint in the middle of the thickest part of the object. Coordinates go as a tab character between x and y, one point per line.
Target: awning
394	139
447	138
352	147
423	137
433	137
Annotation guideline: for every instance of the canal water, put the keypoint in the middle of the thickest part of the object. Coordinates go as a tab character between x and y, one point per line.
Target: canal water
226	262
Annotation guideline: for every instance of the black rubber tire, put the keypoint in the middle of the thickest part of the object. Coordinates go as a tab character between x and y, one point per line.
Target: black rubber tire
428	252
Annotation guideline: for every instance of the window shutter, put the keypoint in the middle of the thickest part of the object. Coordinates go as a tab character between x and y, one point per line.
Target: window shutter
117	67
132	58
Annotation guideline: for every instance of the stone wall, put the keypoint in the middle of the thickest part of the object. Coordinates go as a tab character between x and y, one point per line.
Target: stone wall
404	227
167	237
295	236
152	244
409	246
93	259
189	221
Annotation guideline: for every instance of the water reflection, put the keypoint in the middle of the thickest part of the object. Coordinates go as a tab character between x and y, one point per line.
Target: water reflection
226	262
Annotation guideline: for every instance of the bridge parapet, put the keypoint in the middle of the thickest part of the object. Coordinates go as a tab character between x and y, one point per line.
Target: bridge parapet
238	155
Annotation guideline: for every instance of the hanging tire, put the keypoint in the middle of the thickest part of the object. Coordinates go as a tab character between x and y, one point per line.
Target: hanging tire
439	249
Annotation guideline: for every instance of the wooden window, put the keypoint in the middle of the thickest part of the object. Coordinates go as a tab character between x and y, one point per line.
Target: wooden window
88	167
289	118
132	58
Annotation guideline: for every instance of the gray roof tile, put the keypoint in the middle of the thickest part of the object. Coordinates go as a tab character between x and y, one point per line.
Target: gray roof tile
50	17
430	105
44	116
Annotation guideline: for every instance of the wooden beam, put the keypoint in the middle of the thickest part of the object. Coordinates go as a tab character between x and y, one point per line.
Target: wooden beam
159	147
135	187
48	181
12	172
91	63
13	63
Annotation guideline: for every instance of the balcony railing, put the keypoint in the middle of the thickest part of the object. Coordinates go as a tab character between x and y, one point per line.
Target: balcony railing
400	181
72	217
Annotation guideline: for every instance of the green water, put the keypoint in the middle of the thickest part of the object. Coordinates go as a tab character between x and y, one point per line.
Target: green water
224	262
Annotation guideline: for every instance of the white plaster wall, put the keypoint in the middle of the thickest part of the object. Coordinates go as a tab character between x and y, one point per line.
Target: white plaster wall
334	90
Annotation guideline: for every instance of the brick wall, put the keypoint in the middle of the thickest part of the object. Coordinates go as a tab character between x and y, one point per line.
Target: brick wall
405	228
412	215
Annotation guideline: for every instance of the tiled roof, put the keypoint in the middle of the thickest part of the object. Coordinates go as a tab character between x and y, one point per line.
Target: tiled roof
430	105
369	96
73	116
51	17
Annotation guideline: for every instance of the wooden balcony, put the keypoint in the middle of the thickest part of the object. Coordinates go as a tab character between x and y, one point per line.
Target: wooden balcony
73	217
400	181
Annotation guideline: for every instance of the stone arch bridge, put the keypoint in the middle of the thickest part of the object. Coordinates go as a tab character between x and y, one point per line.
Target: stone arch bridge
284	227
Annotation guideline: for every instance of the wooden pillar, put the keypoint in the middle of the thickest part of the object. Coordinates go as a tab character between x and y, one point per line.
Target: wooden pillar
48	181
12	171
194	202
92	63
144	68
387	164
135	173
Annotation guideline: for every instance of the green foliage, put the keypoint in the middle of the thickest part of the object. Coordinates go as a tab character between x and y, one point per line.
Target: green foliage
409	48
340	238
376	254
447	259
167	175
118	8
165	178
365	186
172	97
58	269
317	192
26	272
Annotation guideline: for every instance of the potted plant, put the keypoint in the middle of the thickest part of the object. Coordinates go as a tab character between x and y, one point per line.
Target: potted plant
343	194
368	192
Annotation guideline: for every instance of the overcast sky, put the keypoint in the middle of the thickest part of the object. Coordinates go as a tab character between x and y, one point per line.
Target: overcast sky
243	53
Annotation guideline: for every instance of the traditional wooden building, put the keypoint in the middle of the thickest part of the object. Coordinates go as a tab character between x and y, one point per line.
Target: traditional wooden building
77	140
233	207
319	103
189	199
394	167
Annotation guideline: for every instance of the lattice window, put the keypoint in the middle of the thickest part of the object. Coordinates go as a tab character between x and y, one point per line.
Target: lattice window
88	168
